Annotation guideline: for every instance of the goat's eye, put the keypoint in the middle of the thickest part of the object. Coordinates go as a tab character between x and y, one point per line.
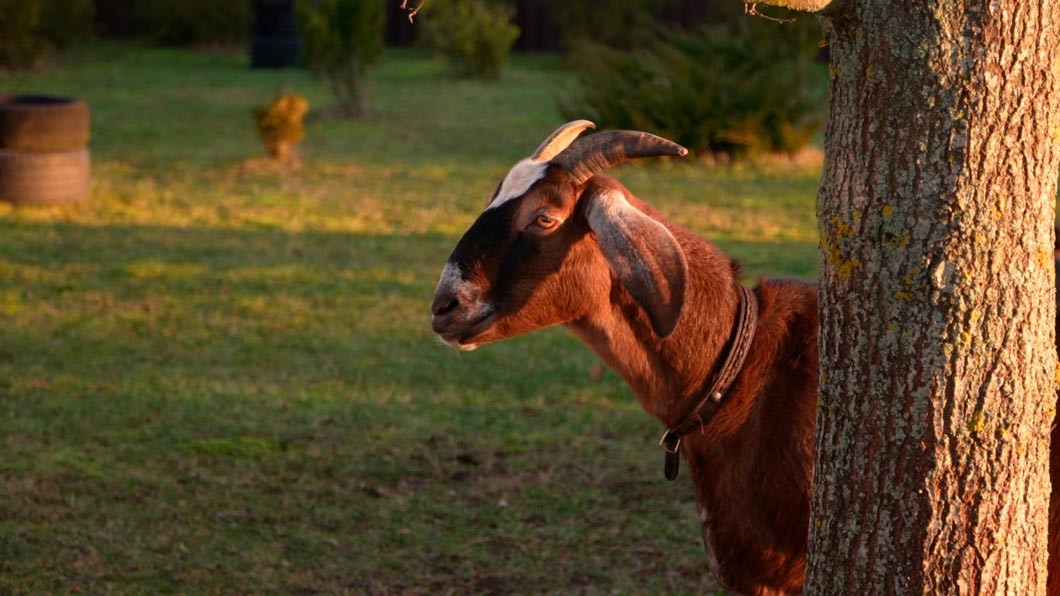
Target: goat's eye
545	222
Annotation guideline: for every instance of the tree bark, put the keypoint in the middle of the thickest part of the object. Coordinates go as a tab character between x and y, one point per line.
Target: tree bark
938	365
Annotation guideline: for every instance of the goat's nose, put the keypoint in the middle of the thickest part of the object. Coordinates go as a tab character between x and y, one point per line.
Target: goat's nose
444	302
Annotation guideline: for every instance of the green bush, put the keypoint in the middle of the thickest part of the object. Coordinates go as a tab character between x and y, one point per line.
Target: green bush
193	22
31	29
732	90
477	36
341	40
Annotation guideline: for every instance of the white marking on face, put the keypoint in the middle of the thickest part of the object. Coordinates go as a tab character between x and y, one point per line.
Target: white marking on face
452	282
519	180
451	277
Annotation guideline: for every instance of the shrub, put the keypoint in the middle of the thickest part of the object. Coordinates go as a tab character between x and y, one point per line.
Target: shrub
341	40
280	125
31	29
724	90
477	36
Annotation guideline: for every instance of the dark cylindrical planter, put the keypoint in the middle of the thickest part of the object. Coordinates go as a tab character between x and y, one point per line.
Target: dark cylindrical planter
274	35
44	158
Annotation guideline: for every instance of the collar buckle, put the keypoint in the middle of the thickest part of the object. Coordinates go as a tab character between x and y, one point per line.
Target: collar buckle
670	441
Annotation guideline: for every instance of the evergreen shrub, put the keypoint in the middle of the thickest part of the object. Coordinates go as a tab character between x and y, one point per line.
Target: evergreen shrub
475	35
341	40
280	125
734	90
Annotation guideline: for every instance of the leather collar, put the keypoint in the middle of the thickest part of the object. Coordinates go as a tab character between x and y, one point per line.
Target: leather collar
710	401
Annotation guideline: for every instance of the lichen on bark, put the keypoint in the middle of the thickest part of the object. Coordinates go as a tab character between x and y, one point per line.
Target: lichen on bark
937	358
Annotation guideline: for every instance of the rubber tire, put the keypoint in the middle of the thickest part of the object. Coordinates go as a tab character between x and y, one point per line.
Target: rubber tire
42	123
52	178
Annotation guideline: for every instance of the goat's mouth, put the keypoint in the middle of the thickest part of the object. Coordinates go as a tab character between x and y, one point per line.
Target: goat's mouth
462	334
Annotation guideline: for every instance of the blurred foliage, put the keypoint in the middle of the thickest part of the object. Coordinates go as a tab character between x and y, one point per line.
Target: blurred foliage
742	88
280	124
475	35
619	24
31	29
341	40
192	22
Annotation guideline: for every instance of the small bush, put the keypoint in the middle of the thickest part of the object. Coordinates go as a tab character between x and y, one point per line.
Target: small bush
341	40
31	29
280	125
477	36
723	90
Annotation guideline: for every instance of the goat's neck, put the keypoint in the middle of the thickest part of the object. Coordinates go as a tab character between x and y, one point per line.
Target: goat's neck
666	373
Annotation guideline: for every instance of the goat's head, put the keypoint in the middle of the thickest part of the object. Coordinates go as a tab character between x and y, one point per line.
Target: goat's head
553	239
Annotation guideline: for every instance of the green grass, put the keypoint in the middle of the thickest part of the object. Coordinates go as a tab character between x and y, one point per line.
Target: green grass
222	379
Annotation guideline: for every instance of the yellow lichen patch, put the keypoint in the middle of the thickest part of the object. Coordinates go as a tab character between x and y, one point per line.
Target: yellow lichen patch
842	228
966	338
843	267
1001	208
976	425
887	211
897	241
1043	258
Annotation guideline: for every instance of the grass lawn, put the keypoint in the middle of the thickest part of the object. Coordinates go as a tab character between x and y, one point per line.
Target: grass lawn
216	379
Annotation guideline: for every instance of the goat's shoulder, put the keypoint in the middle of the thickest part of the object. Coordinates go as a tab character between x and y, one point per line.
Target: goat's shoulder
786	339
788	308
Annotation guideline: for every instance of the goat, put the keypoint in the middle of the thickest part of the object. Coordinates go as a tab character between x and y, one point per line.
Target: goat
560	243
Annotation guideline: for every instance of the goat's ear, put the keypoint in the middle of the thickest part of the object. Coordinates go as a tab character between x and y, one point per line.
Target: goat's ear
643	254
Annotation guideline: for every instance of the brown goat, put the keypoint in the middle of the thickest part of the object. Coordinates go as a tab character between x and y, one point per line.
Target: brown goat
560	243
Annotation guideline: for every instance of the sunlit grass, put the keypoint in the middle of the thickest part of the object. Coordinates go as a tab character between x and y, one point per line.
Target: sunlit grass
216	377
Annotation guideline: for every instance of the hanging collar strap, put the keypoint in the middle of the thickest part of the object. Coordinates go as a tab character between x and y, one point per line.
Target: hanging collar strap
711	400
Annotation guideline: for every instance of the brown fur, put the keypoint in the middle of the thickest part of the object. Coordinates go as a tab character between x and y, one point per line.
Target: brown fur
751	465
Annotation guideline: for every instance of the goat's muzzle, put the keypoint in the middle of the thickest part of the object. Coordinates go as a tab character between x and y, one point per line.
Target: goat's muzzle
459	315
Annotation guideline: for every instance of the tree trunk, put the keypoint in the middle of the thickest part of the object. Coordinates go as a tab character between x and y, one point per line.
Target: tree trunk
938	364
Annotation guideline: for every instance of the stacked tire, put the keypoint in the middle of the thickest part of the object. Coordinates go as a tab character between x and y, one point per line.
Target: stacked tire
44	157
274	35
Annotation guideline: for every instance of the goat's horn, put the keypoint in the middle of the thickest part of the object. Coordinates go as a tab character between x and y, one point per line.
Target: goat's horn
558	141
590	155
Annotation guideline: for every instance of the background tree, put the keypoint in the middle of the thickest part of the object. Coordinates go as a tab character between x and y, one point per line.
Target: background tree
936	212
341	40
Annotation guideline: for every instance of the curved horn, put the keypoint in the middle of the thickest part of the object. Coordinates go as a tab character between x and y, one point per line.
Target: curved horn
590	155
558	141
